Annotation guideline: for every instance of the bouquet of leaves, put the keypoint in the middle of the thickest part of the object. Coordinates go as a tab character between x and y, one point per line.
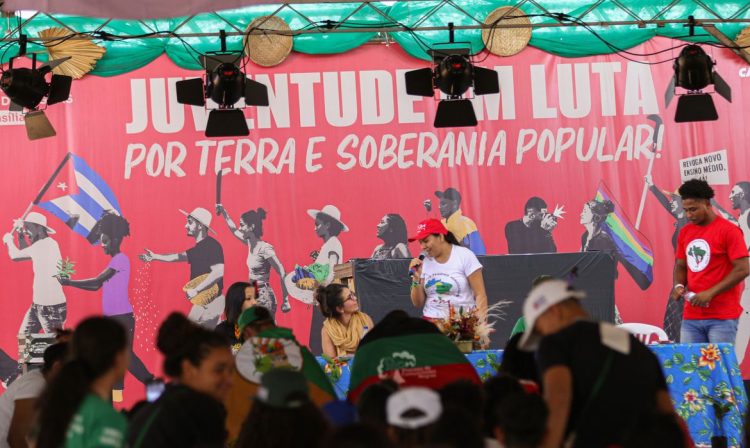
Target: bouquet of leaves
463	325
65	268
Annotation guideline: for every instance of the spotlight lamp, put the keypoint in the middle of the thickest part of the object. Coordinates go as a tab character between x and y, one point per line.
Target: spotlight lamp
453	74
693	72
226	85
27	87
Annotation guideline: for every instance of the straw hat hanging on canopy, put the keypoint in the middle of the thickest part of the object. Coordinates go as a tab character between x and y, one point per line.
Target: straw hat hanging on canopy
506	41
270	47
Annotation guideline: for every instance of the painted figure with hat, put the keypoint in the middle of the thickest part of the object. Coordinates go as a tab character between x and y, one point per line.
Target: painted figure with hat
461	226
48	309
328	226
586	366
449	276
206	260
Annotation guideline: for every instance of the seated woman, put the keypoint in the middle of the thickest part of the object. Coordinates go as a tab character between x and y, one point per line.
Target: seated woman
190	411
344	323
75	409
449	275
240	296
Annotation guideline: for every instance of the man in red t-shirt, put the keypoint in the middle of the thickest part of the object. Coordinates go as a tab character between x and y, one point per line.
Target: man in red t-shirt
711	262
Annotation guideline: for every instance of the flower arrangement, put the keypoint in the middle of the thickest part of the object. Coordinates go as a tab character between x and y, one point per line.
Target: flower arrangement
467	326
334	367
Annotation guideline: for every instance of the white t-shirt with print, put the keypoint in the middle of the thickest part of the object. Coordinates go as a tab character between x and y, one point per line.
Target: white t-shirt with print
25	387
45	254
448	283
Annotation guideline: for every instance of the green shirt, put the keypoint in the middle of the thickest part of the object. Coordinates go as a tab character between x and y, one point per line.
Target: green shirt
96	424
519	327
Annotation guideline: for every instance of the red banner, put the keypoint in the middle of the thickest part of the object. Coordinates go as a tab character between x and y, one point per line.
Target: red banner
342	136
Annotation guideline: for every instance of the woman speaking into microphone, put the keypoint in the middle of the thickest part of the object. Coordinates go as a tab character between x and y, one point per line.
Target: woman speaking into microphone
449	274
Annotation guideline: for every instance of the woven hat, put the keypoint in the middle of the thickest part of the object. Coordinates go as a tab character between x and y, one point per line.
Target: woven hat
201	215
40	220
83	52
268	48
331	211
506	41
743	37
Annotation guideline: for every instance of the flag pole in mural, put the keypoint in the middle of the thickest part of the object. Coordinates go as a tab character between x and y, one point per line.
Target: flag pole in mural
46	186
633	249
655	148
81	209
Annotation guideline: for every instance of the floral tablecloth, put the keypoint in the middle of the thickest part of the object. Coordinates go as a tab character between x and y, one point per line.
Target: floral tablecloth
699	376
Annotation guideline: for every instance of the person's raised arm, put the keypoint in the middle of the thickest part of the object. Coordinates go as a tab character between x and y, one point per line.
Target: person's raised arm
230	223
417	293
168	258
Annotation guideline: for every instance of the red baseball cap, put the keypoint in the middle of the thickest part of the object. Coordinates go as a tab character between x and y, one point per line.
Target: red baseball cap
427	228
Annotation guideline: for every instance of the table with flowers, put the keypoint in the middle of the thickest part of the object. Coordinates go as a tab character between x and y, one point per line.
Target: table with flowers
704	381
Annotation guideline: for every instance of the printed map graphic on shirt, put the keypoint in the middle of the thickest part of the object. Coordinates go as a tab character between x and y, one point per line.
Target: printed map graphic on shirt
698	255
441	287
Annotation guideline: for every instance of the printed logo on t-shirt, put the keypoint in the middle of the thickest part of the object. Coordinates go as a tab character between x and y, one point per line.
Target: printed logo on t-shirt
698	254
443	285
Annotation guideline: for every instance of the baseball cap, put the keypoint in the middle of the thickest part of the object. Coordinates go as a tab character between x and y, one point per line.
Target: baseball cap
285	389
539	300
421	399
449	193
428	227
251	315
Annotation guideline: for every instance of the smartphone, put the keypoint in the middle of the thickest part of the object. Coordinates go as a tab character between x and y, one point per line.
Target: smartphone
154	389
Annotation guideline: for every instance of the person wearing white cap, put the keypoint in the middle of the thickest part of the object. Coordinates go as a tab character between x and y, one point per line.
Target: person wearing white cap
206	257
48	309
598	380
412	413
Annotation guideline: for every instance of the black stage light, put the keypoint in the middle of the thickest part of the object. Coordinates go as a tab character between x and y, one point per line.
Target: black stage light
27	87
453	73
225	84
694	71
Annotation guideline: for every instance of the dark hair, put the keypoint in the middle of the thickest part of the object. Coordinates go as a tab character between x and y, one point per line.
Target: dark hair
96	343
180	339
745	187
54	353
600	209
329	298
255	218
396	231
359	435
334	227
518	363
456	428
497	389
113	225
269	426
372	402
534	202
465	395
696	189
235	298
450	238
522	418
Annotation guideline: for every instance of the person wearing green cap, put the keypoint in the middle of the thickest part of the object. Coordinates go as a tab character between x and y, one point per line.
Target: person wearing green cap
257	322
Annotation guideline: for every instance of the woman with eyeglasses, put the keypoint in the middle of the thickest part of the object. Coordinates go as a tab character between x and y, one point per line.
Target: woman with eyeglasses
344	323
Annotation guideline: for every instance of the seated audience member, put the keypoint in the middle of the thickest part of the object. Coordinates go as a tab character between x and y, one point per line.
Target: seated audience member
587	366
358	435
190	412
255	322
496	390
466	396
75	408
520	364
456	428
344	323
283	415
240	296
520	421
372	402
413	413
17	404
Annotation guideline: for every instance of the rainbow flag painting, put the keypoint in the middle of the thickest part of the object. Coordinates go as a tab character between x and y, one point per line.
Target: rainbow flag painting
633	248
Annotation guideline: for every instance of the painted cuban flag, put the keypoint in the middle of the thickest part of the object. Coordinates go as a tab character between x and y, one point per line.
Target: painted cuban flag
85	196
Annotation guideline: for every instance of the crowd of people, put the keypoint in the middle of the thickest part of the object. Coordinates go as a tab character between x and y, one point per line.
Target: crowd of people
565	380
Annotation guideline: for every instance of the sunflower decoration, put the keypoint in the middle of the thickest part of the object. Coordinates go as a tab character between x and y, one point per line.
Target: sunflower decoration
83	52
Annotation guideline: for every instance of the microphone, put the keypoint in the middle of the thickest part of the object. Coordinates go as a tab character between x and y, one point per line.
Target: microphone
413	271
